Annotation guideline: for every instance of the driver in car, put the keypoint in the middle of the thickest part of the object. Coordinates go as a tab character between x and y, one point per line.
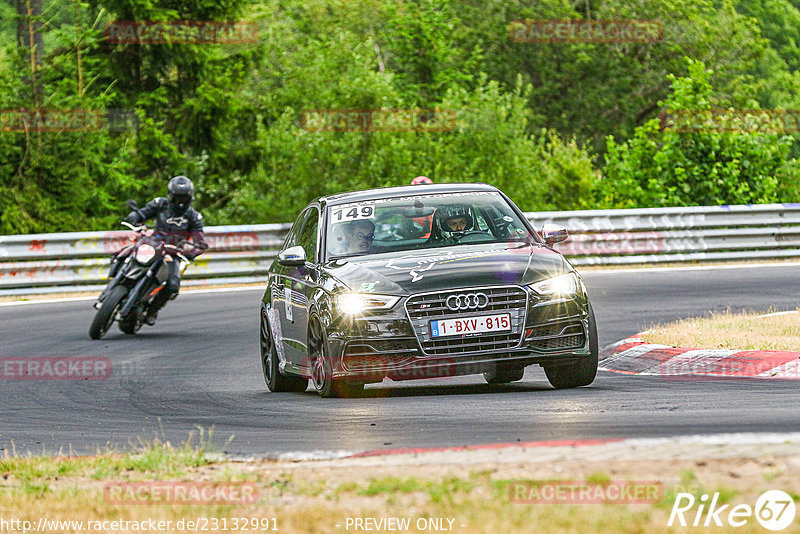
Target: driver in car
452	222
457	224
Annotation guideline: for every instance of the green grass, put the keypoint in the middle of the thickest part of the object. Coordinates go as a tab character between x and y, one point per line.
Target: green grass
598	478
307	501
390	485
438	491
153	459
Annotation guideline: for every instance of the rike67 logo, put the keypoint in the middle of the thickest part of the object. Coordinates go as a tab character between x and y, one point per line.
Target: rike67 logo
774	510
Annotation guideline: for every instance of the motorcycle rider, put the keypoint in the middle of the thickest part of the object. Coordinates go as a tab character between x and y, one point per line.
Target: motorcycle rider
175	221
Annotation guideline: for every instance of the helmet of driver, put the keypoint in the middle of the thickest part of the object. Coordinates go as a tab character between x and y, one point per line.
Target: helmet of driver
453	220
420	180
181	193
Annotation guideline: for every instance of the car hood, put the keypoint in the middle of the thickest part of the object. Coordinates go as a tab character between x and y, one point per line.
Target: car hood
402	273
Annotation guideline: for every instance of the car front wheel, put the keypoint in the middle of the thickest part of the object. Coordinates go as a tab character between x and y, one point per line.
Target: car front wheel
581	373
321	369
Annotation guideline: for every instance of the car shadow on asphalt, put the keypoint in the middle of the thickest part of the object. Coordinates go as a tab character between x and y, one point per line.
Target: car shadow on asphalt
427	390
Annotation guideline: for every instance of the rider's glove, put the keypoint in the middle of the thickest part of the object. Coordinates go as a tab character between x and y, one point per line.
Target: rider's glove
132	218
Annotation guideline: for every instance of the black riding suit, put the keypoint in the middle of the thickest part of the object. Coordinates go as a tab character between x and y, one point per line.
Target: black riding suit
173	226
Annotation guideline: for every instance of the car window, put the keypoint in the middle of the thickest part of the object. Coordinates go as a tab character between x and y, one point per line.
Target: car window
480	222
291	237
308	236
422	221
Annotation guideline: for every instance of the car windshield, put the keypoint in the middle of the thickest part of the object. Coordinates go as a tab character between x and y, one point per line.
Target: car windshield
422	221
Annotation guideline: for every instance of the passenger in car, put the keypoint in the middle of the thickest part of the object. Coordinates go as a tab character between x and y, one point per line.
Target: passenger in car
358	236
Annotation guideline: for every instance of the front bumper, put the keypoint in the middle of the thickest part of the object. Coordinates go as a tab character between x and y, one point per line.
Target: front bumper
371	348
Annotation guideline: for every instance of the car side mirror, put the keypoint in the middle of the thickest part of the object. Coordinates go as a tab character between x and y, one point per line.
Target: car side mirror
292	257
554	233
132	205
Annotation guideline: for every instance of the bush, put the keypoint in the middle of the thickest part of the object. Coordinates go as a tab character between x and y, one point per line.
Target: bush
657	168
488	144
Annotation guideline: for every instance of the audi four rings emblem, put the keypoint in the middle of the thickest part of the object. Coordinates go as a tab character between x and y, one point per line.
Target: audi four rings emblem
467	301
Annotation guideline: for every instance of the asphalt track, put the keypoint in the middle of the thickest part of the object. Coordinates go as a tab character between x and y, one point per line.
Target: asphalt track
199	368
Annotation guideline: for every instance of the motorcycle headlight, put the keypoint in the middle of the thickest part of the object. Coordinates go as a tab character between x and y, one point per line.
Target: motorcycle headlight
354	303
564	285
145	253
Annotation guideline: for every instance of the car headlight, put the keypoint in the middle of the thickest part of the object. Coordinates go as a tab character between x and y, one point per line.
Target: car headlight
353	303
566	284
145	253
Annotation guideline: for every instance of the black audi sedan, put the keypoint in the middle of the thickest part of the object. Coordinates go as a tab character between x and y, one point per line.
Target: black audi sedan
422	282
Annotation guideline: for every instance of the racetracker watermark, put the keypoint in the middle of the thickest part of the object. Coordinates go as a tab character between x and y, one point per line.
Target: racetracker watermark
586	492
157	492
67	120
762	121
198	524
406	368
378	120
232	241
151	32
585	31
55	368
614	243
723	364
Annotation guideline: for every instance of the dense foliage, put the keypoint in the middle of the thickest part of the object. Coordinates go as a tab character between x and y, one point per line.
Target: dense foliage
555	125
666	168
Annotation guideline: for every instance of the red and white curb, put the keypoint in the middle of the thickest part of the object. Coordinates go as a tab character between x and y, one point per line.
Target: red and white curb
637	357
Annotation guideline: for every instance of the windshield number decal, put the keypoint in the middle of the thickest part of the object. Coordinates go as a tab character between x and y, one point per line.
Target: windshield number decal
352	213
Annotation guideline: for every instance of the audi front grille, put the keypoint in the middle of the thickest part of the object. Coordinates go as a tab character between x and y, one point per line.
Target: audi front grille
468	302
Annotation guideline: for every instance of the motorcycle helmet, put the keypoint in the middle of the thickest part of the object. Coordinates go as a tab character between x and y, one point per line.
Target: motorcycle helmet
181	193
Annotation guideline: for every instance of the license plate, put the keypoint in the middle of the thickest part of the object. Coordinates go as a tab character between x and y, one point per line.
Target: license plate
471	325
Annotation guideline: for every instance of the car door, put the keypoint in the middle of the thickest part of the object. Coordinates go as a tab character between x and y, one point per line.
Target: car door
280	283
305	283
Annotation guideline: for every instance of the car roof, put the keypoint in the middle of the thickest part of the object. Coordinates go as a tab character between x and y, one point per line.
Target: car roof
407	190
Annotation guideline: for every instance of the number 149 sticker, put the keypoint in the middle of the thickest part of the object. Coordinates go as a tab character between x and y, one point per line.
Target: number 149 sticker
345	214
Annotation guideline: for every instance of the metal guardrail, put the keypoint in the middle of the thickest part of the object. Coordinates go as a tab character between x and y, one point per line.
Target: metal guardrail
659	235
70	261
80	260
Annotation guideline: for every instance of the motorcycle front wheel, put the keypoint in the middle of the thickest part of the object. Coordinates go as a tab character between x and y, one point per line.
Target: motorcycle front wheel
105	315
131	323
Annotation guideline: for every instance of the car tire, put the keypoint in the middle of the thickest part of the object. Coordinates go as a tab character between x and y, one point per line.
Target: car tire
503	375
105	315
275	381
581	373
321	369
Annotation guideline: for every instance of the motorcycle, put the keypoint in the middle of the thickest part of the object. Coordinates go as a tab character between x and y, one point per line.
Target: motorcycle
138	272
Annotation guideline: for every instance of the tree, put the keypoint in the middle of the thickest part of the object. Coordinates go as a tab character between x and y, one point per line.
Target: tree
707	167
